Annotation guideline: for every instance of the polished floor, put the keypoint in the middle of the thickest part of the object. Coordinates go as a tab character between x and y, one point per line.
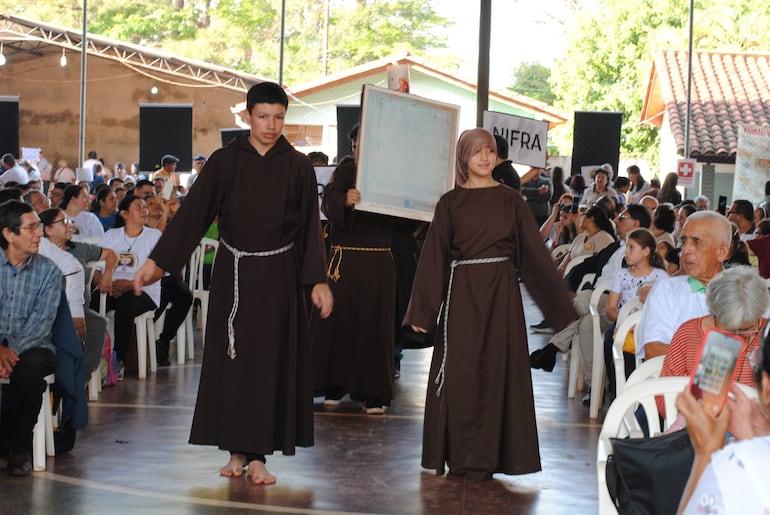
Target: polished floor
134	458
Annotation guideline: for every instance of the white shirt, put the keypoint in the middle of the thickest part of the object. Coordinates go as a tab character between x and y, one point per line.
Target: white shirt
132	254
16	174
670	303
73	274
613	264
88	226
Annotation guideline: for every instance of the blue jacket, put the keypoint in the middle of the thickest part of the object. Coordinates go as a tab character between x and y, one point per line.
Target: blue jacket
70	374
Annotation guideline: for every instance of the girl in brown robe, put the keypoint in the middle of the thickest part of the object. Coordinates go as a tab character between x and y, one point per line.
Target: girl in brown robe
479	409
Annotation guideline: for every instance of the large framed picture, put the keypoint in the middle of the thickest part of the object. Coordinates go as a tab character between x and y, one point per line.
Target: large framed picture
406	153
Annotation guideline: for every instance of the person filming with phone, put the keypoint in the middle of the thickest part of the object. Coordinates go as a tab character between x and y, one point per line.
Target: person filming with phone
732	479
737	300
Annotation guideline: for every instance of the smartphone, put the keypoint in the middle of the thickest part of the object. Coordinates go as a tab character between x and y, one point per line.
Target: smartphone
168	189
712	377
722	205
575	204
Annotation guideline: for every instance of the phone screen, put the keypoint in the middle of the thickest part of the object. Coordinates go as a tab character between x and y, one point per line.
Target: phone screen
722	205
714	373
168	189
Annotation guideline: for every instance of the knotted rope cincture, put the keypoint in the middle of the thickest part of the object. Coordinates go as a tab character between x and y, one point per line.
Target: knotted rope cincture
454	264
237	255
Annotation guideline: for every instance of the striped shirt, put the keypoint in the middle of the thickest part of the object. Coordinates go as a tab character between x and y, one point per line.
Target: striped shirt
30	297
685	346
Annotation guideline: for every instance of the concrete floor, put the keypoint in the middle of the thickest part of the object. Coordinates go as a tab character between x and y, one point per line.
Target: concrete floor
133	458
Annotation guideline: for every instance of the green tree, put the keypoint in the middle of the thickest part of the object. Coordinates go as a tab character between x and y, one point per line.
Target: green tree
610	51
532	79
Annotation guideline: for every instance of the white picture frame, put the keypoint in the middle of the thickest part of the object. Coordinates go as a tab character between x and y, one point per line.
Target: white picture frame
406	158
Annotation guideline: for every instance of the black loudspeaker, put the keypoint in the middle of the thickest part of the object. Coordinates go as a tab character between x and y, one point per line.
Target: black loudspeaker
165	129
230	134
596	140
9	128
347	118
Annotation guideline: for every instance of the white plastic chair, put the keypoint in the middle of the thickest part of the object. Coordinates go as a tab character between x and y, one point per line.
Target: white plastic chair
616	423
621	332
650	369
196	283
572	264
42	434
560	251
94	385
145	336
576	381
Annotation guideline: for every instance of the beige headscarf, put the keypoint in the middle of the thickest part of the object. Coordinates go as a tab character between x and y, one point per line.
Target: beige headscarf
469	143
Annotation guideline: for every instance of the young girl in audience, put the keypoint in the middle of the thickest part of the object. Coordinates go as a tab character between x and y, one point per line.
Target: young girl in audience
645	266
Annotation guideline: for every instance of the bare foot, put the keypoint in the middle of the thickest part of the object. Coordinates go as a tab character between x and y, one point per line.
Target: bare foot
234	467
259	475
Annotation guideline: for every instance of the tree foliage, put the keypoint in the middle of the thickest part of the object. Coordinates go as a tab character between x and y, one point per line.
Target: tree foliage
610	50
532	79
245	34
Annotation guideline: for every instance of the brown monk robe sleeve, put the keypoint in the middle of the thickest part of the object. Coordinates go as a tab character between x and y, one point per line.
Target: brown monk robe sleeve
335	195
194	217
313	254
533	260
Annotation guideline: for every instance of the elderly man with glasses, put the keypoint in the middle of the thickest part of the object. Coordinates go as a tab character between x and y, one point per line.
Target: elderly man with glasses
30	286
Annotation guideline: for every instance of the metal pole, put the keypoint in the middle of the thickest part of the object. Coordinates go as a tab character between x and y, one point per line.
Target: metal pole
283	27
482	83
688	107
83	53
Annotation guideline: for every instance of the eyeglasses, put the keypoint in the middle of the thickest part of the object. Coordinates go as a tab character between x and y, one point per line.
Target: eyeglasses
623	216
35	227
65	221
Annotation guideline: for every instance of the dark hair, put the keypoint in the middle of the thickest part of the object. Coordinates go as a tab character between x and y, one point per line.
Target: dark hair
11	184
9	159
557	177
70	192
61	186
49	215
646	240
639	213
11	212
607	203
621	182
318	156
124	205
739	251
763	227
577	183
10	194
116	179
601	219
92	154
99	198
688	208
266	93
664	218
353	133
502	148
142	183
744	208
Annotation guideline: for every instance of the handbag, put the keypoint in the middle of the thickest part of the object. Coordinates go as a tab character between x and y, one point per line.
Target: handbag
648	475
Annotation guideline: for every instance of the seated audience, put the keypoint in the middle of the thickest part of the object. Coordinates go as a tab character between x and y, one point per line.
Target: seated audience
104	206
599	188
663	224
597	234
737	299
37	200
742	214
732	479
132	242
668	192
671	302
761	247
58	230
739	250
27	353
75	203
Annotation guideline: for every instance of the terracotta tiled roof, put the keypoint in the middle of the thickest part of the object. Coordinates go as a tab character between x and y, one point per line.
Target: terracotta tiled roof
728	89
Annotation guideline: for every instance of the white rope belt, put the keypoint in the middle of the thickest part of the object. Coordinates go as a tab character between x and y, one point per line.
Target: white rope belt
237	255
454	264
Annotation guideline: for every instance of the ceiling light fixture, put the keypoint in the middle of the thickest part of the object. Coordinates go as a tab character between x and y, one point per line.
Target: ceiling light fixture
154	90
63	60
